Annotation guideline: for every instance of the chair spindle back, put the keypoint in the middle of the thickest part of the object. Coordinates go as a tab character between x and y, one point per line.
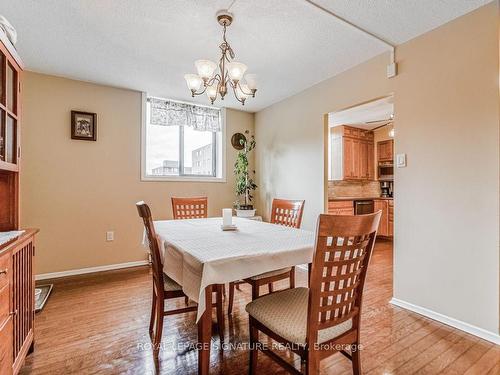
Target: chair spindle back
287	212
190	208
342	253
154	246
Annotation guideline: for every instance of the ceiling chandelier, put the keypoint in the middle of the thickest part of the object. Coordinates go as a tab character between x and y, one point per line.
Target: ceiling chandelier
231	74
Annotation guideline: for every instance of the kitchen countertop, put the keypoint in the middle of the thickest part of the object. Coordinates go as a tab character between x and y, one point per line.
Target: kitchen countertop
333	199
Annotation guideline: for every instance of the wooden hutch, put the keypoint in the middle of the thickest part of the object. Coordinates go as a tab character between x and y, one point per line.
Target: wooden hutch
17	282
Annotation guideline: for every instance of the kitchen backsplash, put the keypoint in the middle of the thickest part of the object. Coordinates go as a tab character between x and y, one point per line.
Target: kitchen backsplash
353	189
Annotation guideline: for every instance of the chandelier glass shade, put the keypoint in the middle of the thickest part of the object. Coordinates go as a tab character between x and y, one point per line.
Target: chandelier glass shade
216	80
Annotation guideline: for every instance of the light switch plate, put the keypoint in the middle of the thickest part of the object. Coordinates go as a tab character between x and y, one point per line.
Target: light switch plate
401	160
110	236
392	70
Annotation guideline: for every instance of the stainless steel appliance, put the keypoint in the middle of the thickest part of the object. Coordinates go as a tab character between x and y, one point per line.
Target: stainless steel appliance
386	188
386	171
363	207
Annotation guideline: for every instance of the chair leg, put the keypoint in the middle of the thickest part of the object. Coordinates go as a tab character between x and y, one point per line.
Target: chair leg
255	290
159	325
153	314
309	272
231	299
220	312
292	278
270	287
312	364
356	360
254	353
186	300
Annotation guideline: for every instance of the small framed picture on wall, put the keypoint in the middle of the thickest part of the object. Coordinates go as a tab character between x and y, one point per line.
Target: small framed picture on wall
83	126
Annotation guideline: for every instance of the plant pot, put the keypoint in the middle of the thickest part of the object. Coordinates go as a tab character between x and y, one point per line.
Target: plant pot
245	213
245	207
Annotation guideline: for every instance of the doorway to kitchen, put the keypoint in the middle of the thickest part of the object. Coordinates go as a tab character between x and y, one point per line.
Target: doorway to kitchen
359	162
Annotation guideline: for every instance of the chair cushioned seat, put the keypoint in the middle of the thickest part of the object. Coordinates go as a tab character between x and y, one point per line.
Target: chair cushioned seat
170	285
285	313
271	273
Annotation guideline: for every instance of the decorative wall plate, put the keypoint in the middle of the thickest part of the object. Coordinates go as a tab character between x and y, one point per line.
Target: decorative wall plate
236	140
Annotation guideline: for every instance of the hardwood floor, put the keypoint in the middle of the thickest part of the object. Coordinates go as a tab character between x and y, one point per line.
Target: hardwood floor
98	324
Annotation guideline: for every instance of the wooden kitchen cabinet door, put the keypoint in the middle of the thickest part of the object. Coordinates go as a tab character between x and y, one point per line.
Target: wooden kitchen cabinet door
352	154
348	158
381	205
365	160
391	218
342	211
356	150
371	160
385	150
341	208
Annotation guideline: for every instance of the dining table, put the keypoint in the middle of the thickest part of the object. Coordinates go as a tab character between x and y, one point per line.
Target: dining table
199	255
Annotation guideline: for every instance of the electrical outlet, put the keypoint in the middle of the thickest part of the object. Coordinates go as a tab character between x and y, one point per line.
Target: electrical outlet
110	236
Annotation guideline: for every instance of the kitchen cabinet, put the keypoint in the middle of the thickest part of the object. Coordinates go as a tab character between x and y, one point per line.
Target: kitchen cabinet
382	205
371	157
366	155
386	226
391	218
385	150
352	153
341	207
351	161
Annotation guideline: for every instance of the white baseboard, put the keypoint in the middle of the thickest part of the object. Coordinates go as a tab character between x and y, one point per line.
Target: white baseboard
82	271
455	323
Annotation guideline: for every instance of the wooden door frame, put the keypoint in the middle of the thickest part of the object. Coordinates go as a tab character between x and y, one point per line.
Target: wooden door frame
326	142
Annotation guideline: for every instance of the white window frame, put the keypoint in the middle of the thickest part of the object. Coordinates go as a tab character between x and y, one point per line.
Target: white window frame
221	154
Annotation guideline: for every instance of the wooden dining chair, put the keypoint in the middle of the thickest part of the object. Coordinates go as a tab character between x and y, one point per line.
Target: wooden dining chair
318	321
283	212
190	208
164	288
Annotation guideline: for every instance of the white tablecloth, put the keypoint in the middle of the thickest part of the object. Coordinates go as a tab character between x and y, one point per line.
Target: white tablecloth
197	253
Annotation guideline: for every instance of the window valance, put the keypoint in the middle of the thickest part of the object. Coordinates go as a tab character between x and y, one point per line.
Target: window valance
170	113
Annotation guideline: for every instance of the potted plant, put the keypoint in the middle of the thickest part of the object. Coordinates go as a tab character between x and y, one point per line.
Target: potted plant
244	183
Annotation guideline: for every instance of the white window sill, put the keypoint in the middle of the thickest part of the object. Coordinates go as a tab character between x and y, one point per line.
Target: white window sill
183	179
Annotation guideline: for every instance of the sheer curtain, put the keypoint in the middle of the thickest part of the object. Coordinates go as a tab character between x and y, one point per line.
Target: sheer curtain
171	113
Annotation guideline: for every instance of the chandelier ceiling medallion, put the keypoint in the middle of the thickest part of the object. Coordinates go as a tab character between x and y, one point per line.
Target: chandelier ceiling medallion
231	74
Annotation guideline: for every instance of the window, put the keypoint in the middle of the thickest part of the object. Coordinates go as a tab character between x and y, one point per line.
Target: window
182	141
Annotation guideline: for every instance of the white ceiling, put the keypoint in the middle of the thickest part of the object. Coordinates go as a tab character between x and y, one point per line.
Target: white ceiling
148	45
365	116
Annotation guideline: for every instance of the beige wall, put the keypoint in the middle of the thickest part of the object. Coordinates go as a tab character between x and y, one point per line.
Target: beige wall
75	191
290	159
447	199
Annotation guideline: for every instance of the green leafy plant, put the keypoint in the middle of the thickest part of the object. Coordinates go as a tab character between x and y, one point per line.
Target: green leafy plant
245	185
